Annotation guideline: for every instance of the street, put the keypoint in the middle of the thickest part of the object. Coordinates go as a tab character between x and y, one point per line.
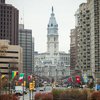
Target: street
27	96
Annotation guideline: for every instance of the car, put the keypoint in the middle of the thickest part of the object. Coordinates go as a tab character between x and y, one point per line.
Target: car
25	91
41	88
20	90
48	88
69	87
34	89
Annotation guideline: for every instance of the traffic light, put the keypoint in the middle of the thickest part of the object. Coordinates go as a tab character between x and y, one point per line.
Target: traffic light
24	83
16	83
33	83
31	87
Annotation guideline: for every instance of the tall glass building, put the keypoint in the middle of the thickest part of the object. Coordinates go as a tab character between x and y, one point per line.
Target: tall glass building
25	41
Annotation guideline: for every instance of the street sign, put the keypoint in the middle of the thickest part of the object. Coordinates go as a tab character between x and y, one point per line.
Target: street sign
97	87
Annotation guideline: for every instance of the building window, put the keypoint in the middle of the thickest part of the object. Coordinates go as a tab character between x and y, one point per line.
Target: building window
51	24
54	39
55	46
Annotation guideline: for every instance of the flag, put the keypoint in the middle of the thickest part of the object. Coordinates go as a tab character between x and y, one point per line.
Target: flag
85	78
3	76
69	80
24	83
14	73
78	79
21	77
29	77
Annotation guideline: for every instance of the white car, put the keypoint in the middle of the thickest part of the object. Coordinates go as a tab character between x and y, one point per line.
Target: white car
34	89
19	90
41	88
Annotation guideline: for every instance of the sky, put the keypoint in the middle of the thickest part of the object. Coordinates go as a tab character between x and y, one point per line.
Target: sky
36	14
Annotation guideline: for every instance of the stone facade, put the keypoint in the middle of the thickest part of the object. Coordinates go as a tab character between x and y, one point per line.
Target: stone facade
52	64
10	57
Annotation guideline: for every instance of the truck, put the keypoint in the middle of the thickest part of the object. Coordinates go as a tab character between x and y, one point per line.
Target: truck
20	90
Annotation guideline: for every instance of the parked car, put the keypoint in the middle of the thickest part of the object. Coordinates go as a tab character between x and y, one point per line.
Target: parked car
34	89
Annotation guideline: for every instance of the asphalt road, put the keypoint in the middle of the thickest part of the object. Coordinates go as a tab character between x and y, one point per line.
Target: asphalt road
28	97
25	97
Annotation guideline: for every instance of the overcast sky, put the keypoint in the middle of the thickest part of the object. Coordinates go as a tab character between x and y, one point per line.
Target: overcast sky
36	14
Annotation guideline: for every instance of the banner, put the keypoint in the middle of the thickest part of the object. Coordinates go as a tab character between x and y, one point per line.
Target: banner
78	80
21	77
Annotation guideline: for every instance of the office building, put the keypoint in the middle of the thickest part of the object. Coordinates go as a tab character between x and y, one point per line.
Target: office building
9	16
11	58
94	6
88	41
84	55
73	50
25	41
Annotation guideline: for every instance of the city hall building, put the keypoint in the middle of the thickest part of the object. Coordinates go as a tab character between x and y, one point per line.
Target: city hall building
53	64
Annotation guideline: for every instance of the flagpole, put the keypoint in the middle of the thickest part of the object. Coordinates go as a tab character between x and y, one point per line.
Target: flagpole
9	78
32	90
23	88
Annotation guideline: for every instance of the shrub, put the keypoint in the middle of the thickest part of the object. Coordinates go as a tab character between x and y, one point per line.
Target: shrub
47	96
38	96
14	97
95	95
56	93
85	94
74	94
71	94
8	97
43	96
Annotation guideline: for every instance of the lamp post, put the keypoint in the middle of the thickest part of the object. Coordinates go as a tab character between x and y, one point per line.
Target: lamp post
56	75
0	82
23	88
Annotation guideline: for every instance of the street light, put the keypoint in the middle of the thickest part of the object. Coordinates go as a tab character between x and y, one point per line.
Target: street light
0	81
56	74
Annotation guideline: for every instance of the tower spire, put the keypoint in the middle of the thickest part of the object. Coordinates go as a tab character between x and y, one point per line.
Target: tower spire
52	35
